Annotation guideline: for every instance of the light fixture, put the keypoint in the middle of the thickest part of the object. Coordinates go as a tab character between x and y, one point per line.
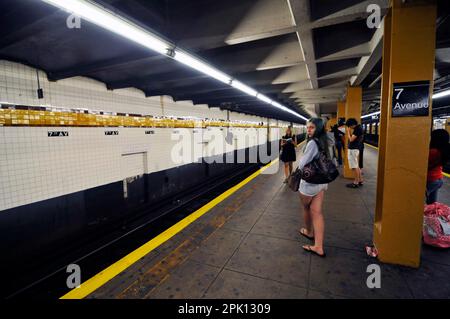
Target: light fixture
201	66
264	98
371	114
244	88
102	17
441	94
284	108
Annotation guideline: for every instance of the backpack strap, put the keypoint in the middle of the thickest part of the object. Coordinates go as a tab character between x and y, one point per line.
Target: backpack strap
318	144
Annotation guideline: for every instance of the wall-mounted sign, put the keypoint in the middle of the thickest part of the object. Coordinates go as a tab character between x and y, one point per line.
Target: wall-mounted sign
57	134
411	99
149	132
111	132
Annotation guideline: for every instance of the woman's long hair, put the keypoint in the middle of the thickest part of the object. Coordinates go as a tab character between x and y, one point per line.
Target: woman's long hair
439	140
320	134
289	129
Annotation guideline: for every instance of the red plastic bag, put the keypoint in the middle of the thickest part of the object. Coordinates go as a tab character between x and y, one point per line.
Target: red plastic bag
436	225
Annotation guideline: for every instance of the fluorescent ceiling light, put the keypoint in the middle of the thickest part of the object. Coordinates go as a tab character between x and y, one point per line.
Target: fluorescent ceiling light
244	88
201	66
441	94
284	108
264	98
100	16
371	114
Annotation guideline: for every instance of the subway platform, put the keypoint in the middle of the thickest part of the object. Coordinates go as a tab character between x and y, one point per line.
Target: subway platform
248	246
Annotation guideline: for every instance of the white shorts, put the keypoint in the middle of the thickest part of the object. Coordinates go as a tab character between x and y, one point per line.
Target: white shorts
309	189
353	158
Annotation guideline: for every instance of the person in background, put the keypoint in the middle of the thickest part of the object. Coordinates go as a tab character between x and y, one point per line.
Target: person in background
354	144
312	195
331	143
288	156
437	157
339	135
361	161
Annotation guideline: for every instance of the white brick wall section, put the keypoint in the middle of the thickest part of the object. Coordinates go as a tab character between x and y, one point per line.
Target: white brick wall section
35	167
18	85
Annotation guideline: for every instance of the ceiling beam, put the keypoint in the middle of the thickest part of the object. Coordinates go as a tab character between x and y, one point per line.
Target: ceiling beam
358	51
317	93
316	100
161	80
212	88
300	10
215	100
367	63
349	14
301	15
105	65
22	23
297	86
231	93
269	19
343	73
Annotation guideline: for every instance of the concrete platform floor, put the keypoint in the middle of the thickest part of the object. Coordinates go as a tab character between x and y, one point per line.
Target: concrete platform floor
248	247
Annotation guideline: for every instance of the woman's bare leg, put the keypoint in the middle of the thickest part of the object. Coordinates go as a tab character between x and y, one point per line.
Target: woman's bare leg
317	222
286	170
306	202
290	168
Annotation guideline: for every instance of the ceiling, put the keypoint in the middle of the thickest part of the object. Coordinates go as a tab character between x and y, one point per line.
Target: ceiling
301	53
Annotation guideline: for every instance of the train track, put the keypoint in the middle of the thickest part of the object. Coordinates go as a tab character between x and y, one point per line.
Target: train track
46	278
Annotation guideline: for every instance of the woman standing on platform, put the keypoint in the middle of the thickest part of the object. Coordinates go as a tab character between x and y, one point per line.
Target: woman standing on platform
438	156
288	156
311	195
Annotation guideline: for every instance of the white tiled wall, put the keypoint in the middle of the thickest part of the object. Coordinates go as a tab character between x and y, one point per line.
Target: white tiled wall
35	167
18	85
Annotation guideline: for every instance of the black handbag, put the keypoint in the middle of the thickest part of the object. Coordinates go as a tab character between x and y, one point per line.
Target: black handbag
320	170
294	179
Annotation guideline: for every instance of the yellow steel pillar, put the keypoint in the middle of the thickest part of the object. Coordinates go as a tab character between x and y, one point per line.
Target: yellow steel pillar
353	106
340	110
408	56
331	122
382	129
341	115
447	125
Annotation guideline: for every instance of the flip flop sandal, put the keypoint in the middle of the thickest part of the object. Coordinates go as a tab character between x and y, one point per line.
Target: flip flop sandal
308	249
304	235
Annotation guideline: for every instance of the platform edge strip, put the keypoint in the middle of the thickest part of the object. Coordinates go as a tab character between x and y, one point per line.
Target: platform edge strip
112	271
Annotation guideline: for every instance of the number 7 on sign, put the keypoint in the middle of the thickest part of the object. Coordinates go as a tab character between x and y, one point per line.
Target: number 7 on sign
399	92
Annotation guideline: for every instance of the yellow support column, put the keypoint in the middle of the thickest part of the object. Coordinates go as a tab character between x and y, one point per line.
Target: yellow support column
447	126
353	106
341	115
408	56
340	110
382	129
331	122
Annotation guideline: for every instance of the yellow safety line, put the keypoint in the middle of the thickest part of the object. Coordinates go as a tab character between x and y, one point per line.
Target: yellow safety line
445	174
371	146
112	271
298	145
